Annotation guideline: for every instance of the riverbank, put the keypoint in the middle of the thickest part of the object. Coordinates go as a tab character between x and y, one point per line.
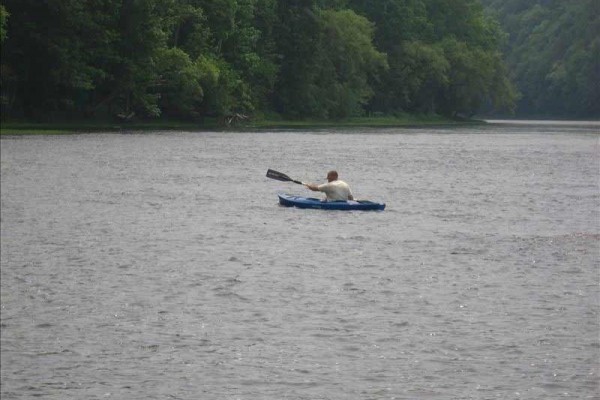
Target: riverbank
65	128
27	128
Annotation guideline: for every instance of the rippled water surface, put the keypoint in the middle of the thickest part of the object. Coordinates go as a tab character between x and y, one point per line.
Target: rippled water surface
160	266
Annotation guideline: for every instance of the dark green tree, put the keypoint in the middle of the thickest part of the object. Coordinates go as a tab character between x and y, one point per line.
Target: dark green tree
327	60
3	20
301	58
349	60
298	40
434	49
54	51
553	53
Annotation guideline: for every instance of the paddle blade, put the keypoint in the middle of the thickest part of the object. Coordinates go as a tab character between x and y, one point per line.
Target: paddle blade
281	177
278	176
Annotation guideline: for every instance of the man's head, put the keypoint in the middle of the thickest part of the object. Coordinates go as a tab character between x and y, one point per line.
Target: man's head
332	176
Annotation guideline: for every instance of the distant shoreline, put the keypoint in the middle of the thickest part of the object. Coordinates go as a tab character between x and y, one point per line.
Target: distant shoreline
544	122
409	121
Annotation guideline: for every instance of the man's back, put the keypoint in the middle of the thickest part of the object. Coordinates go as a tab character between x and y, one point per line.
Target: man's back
336	190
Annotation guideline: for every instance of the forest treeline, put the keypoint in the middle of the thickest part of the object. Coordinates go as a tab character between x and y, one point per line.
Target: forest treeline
553	54
189	59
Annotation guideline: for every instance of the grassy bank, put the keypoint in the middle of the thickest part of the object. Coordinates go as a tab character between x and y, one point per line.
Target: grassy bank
26	128
29	128
363	122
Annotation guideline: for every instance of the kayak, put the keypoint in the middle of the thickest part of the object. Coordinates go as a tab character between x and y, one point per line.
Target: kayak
309	202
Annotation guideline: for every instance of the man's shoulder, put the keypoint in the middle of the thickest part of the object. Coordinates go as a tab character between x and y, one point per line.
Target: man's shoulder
333	184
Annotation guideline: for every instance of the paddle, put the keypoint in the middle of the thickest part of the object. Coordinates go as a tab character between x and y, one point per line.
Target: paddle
278	176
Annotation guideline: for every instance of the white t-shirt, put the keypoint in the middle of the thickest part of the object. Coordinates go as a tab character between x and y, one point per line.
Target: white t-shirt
336	190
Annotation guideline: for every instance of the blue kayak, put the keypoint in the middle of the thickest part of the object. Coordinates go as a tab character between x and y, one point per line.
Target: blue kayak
309	202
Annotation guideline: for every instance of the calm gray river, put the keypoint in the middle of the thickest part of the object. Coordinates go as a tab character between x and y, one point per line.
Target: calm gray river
160	266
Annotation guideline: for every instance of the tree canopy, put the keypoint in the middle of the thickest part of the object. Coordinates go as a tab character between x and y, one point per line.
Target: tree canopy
553	54
190	59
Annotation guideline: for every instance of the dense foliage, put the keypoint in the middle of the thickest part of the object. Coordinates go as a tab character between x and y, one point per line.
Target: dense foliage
298	58
553	52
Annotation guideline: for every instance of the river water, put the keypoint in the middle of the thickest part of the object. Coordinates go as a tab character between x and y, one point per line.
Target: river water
160	266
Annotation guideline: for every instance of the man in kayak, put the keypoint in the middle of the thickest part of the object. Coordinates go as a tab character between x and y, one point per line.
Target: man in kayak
334	189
